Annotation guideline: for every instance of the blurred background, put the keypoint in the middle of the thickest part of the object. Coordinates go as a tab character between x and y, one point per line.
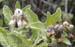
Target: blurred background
40	7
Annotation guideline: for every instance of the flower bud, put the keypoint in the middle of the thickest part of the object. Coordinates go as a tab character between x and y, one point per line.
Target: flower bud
51	29
24	23
71	27
19	23
59	27
18	12
56	26
65	23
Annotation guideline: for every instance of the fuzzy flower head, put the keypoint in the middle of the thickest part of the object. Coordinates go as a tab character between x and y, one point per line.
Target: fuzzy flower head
50	28
71	27
59	27
65	23
68	26
19	23
18	12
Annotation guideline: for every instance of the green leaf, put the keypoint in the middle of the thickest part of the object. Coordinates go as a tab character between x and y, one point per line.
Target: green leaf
37	40
48	21
38	29
53	40
17	5
22	38
66	41
26	7
44	44
35	34
3	36
64	34
4	31
52	19
31	16
14	41
25	41
37	25
7	13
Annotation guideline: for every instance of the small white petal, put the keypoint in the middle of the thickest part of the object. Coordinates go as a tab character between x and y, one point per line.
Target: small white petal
56	26
71	26
65	23
12	22
19	23
61	28
24	23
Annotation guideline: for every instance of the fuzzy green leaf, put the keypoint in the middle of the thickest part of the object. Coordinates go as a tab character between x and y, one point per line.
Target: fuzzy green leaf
17	5
52	19
7	13
66	41
31	16
44	44
3	36
36	26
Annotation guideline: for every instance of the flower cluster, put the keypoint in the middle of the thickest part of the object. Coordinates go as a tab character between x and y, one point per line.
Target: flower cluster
68	26
58	29
18	19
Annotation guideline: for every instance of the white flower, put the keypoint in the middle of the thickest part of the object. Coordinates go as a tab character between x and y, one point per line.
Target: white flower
65	23
56	26
19	23
24	23
12	22
59	27
18	12
71	27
